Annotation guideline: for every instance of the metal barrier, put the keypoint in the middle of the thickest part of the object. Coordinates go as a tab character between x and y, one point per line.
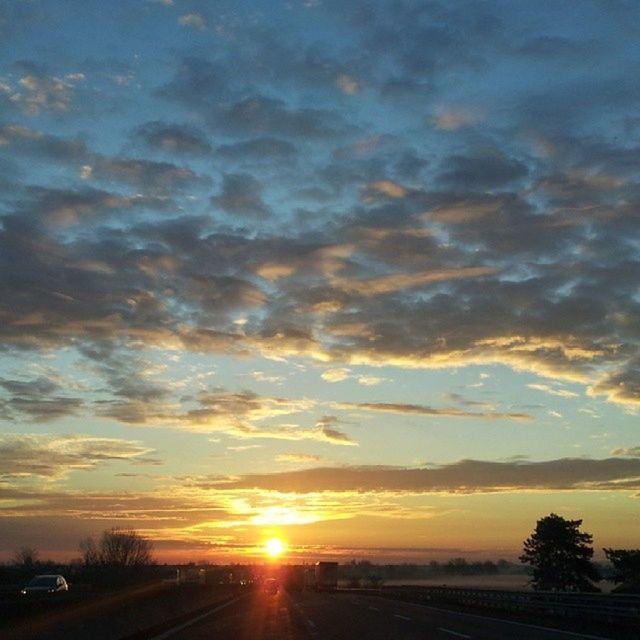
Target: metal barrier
595	606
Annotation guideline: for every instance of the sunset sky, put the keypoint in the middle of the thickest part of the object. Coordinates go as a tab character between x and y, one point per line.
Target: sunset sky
360	275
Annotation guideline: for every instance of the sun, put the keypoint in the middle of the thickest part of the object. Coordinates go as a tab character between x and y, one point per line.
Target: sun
274	547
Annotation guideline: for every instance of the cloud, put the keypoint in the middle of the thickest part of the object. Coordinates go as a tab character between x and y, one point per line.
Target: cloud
454	119
241	195
561	393
335	375
194	20
264	116
466	476
632	452
325	427
261	376
160	177
53	457
298	457
63	208
28	141
173	138
37	400
622	387
424	410
489	251
402	281
39	92
481	172
347	84
456	397
386	188
240	415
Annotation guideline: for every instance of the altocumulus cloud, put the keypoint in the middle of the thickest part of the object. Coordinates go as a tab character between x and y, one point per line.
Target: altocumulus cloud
52	456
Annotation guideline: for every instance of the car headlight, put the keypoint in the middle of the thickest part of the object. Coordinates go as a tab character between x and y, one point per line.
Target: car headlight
23	592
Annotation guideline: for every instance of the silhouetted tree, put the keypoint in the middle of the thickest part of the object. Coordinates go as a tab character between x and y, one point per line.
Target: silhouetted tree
121	556
560	555
118	548
26	557
626	563
125	548
90	552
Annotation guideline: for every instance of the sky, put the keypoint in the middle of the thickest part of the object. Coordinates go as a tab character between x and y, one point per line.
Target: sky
359	275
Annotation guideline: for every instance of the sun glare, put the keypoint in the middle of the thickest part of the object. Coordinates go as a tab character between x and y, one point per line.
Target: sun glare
274	547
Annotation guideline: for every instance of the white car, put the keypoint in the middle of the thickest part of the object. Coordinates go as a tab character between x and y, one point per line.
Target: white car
50	583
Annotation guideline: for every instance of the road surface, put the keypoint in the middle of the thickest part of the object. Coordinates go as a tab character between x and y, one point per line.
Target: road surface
345	616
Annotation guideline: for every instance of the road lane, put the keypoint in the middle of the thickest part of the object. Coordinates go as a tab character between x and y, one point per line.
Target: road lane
259	616
345	616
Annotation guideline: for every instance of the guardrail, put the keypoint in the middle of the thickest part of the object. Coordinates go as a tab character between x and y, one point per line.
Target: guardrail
609	608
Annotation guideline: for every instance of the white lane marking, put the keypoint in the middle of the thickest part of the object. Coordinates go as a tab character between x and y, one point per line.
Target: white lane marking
453	633
397	615
312	624
511	622
188	623
374	609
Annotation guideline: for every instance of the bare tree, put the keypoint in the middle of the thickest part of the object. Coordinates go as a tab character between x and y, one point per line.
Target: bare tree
125	548
118	548
90	552
26	557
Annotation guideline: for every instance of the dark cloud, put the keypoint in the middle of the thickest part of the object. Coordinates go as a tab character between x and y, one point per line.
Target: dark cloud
466	476
263	116
38	387
173	138
241	195
38	400
20	139
621	386
151	176
481	172
65	207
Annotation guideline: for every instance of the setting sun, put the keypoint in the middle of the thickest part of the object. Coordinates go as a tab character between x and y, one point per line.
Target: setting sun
274	547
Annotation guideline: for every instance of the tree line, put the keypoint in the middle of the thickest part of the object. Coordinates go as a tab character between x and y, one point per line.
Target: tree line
117	556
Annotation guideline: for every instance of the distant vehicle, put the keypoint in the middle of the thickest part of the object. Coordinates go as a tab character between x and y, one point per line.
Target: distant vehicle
326	576
271	586
191	575
53	583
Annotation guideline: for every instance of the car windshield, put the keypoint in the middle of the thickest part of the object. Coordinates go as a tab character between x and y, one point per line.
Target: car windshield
43	581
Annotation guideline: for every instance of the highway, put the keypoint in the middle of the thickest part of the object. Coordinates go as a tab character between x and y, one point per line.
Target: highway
345	616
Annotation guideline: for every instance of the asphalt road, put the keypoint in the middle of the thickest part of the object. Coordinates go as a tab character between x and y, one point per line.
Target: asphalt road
344	616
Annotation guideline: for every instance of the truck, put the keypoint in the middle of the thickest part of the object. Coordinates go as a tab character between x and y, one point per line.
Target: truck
326	576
